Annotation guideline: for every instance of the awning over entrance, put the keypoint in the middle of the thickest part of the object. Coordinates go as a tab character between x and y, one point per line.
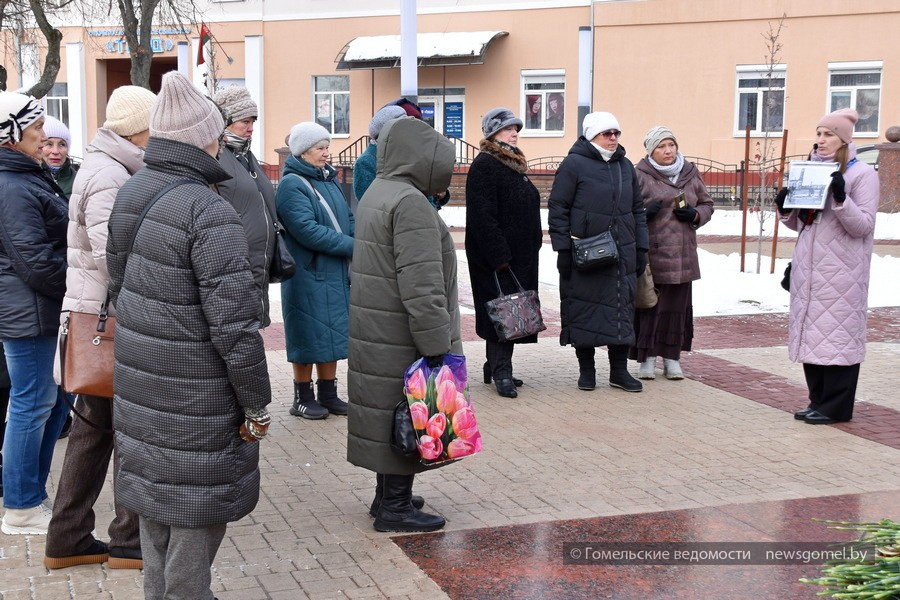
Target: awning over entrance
433	49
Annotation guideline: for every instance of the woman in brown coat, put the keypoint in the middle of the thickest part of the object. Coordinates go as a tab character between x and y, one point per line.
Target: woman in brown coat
677	204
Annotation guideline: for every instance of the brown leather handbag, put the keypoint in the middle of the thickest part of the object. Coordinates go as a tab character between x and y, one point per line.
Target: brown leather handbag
86	353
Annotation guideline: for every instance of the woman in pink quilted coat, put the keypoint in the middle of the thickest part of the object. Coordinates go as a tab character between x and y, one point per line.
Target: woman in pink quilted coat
830	274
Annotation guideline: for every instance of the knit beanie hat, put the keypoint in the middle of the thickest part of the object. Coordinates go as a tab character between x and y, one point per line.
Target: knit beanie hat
841	122
54	128
306	135
597	122
236	103
388	113
128	110
498	118
17	112
181	113
655	137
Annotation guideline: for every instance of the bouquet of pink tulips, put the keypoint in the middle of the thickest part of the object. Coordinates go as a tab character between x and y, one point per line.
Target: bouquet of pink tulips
441	412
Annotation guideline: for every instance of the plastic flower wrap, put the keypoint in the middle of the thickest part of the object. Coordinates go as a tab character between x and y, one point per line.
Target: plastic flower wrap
441	411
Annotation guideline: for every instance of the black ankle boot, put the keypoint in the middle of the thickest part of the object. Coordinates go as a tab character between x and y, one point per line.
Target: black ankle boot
486	369
397	513
417	501
587	374
305	404
506	388
619	377
327	397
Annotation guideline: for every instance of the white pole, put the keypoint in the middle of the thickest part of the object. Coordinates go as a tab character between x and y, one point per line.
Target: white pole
75	73
409	77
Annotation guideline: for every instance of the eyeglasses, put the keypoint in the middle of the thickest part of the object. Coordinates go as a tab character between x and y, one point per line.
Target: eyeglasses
612	133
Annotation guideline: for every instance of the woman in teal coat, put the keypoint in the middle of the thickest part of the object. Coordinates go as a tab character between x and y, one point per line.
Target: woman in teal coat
316	300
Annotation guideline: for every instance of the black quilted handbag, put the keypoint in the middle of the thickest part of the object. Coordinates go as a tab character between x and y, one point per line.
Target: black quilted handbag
403	436
594	252
515	315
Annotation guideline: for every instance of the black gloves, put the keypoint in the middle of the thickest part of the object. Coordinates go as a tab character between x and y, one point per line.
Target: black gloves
435	362
642	261
686	214
779	200
443	200
837	187
564	263
651	209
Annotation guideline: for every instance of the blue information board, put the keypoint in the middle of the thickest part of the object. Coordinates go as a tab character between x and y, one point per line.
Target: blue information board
453	119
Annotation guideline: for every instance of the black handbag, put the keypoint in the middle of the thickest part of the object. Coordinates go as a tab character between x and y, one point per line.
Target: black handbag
403	435
786	280
594	252
283	265
515	315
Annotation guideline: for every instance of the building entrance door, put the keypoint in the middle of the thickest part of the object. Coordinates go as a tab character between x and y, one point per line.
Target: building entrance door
444	113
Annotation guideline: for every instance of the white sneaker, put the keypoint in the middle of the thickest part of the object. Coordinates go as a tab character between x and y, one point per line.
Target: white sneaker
648	368
672	369
26	521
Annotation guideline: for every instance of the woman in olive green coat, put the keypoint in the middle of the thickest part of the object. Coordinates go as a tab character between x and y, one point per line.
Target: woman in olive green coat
403	306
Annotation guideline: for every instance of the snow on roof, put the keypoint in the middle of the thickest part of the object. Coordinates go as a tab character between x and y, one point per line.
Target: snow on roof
428	46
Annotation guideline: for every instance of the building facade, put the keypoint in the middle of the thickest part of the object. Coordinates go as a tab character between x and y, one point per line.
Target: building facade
705	68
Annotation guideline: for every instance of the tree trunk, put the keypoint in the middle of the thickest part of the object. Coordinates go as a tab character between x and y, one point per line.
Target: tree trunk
51	62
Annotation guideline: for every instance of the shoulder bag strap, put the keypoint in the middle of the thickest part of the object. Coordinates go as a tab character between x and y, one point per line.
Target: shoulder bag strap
322	201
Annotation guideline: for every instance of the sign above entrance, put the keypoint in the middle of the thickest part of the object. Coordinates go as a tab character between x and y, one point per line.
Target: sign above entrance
157	43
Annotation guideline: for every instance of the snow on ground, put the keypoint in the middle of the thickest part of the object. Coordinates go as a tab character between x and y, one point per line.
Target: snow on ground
723	289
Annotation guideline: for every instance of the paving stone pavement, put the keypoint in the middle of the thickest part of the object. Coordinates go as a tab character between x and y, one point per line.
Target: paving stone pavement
716	438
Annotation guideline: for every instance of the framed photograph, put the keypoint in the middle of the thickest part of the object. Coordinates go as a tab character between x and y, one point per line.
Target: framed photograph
808	183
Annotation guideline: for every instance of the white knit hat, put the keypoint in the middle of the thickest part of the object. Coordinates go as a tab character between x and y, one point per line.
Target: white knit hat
236	103
17	112
128	110
181	113
306	135
54	128
388	113
597	122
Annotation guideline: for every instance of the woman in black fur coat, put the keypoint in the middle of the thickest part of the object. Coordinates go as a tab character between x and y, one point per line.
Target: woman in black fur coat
503	235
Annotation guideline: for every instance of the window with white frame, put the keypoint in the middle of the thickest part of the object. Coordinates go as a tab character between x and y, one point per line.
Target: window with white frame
760	99
858	86
331	103
543	101
57	102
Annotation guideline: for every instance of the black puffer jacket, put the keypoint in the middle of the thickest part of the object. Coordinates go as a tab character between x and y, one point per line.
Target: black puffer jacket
503	225
253	198
189	357
33	222
589	195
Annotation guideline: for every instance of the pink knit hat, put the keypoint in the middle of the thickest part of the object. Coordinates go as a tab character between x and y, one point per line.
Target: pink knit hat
841	122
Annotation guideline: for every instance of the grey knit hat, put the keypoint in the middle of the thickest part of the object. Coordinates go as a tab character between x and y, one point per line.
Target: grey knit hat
181	113
655	137
306	135
128	110
388	113
498	118
236	103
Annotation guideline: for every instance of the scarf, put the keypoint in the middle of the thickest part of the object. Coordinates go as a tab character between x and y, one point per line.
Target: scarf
671	171
507	155
606	154
236	143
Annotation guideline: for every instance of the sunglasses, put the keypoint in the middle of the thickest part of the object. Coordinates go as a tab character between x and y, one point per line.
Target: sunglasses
612	133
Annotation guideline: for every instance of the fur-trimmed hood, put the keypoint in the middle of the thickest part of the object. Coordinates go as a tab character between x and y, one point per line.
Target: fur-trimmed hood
509	156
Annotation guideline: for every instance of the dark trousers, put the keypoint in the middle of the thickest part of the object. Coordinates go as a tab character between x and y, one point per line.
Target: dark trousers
832	389
82	478
499	356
